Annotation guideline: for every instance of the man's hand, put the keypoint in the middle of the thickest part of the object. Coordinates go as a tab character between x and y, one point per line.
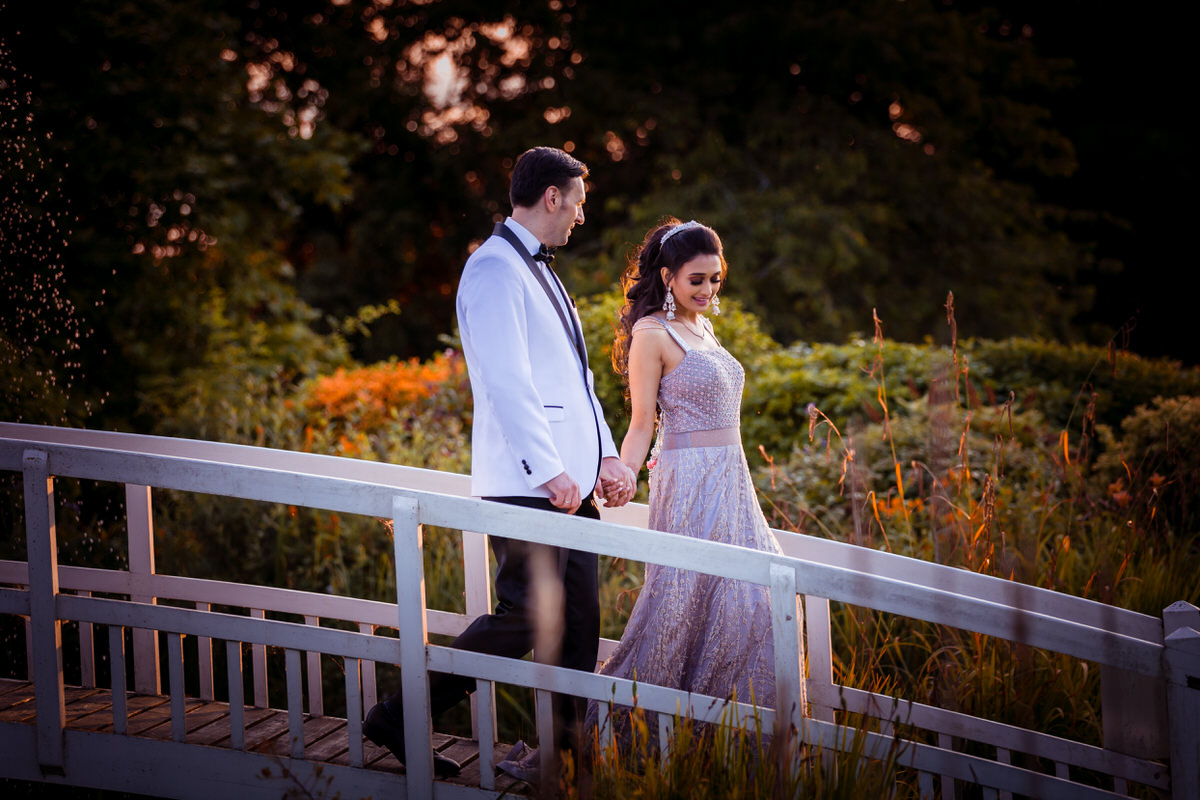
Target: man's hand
564	492
617	483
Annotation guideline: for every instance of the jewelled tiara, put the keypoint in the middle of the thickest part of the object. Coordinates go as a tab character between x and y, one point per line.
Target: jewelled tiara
683	226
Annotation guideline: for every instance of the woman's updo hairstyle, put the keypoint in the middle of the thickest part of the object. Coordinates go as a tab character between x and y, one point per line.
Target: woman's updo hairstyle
642	281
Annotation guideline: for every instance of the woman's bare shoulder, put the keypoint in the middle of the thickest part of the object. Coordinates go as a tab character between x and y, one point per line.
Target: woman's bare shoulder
650	322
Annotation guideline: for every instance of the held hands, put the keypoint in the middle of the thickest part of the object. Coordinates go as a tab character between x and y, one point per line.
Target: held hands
617	483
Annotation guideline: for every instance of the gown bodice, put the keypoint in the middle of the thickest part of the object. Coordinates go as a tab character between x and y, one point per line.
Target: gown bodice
704	392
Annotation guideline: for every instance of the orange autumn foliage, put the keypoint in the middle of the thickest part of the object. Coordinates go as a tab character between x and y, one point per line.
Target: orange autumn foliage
368	395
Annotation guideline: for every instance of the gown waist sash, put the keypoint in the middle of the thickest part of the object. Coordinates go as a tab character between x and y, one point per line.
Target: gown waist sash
716	438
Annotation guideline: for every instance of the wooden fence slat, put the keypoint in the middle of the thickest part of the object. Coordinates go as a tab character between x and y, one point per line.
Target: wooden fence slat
478	597
665	730
205	659
819	626
237	715
1182	659
925	785
29	647
316	693
414	639
484	721
175	676
140	523
604	720
946	743
1001	735
543	713
354	712
87	651
116	663
258	665
46	630
295	703
1004	756
789	653
367	668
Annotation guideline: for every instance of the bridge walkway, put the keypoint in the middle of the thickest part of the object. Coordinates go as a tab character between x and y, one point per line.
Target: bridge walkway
208	724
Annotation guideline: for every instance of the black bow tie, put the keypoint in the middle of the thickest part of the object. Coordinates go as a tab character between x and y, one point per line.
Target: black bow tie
544	255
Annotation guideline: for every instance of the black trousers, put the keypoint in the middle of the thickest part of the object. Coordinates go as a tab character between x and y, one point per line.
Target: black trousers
512	628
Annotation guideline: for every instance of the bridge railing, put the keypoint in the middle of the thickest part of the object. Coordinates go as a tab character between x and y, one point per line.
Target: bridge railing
1130	649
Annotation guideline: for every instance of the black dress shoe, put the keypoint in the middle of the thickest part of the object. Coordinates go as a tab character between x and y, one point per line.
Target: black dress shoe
387	730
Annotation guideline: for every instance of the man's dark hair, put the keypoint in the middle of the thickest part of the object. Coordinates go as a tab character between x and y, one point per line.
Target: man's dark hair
539	168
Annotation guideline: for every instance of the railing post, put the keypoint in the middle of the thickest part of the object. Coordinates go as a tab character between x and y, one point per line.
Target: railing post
1181	663
789	654
41	543
820	657
478	591
413	640
138	516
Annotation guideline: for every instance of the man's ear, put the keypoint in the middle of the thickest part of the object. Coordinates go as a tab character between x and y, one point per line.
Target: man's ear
551	197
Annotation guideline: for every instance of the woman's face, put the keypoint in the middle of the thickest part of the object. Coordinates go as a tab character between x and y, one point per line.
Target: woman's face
695	284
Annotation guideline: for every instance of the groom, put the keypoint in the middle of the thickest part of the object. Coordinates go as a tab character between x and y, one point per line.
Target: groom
539	440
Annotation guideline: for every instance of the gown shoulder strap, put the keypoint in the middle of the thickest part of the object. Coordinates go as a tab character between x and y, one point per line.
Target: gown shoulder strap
645	322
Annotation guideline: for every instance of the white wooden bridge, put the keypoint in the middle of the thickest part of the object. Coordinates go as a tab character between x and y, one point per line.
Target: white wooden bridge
151	737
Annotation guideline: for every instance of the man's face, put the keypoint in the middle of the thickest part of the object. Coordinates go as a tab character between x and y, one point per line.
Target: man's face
569	212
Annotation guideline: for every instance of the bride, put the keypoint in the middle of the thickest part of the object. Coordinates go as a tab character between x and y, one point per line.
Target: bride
704	633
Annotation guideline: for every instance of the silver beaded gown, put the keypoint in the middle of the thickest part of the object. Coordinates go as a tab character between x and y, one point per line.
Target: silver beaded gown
704	633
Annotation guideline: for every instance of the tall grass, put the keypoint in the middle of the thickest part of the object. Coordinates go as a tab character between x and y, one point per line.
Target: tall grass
729	760
1000	490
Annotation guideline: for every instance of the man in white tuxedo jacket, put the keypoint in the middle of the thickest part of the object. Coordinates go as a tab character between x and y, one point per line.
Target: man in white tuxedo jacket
539	438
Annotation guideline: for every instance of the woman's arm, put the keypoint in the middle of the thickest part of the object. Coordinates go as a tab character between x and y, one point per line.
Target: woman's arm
645	371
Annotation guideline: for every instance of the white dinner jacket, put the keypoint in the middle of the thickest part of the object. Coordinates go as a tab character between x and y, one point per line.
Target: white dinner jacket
536	413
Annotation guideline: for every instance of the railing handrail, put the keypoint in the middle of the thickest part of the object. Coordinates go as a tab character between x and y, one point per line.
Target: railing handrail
828	551
91	460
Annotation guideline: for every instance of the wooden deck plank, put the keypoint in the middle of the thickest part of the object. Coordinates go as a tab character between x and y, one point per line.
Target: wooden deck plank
83	706
260	736
16	696
101	719
318	729
148	719
20	712
315	729
162	729
332	744
204	715
505	784
218	735
207	724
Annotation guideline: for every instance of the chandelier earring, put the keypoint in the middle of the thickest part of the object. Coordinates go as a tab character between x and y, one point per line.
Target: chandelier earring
669	304
716	306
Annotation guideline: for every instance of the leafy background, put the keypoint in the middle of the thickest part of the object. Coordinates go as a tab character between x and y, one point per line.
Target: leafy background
953	231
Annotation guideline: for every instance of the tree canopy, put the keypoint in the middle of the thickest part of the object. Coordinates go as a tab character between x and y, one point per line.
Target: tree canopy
241	177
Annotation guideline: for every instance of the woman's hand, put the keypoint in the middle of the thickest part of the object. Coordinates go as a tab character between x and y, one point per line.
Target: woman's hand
617	484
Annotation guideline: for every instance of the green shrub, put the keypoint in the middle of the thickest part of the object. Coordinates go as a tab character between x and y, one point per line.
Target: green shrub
1151	471
1059	379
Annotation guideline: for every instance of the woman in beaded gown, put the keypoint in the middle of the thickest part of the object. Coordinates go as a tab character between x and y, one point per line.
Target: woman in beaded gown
704	633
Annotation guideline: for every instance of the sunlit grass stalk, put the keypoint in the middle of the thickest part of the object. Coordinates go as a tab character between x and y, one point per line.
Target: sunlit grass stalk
724	760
